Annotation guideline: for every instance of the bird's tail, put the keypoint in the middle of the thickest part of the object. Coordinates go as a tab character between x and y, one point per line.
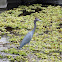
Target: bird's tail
21	46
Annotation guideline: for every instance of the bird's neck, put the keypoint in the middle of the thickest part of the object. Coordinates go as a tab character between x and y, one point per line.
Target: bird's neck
34	27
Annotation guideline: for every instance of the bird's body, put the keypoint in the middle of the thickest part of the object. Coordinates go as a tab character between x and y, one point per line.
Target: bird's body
29	35
26	39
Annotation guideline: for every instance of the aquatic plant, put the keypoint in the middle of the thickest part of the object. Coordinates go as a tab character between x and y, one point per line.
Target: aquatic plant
46	42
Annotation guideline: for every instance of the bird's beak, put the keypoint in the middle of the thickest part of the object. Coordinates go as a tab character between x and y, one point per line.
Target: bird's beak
40	20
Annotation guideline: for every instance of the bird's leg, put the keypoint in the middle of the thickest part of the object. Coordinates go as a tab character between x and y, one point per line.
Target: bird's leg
18	47
28	46
29	43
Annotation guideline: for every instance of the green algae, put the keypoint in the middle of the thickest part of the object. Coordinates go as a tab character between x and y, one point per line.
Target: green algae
46	41
1	56
8	56
14	51
41	55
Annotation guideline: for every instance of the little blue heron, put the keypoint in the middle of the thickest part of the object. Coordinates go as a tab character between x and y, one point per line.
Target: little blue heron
29	35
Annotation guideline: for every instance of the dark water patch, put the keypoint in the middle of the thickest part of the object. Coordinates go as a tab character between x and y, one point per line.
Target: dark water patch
38	9
9	12
60	25
46	32
12	5
25	12
43	5
51	22
2	10
9	28
45	26
40	33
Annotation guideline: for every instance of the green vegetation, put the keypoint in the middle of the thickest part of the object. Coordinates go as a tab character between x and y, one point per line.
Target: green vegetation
46	43
1	56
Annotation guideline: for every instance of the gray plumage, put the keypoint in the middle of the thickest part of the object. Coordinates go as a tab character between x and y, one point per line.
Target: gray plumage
29	35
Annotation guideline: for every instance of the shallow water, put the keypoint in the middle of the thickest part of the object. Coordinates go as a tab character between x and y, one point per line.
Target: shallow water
4	39
5	44
4	60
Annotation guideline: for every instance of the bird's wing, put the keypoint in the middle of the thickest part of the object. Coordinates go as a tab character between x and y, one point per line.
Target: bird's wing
26	39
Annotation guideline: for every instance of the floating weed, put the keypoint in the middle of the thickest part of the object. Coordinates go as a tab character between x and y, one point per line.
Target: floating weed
55	54
44	60
33	60
46	51
31	48
11	59
22	53
20	58
1	56
41	55
14	51
46	39
13	40
8	56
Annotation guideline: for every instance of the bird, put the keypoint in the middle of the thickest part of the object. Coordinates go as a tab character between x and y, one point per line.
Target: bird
29	35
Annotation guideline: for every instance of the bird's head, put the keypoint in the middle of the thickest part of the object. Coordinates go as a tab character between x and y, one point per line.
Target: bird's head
36	19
